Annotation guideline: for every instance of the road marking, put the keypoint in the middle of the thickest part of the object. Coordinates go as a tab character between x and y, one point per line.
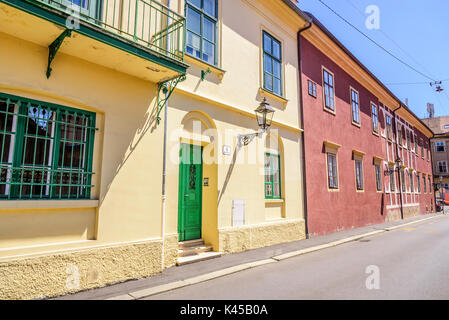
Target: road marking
432	230
409	229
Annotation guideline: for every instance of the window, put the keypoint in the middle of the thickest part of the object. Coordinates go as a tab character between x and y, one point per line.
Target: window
312	88
378	177
392	179
402	180
375	118
201	16
430	185
422	149
328	84
442	166
400	136
446	126
428	152
440	146
272	176
272	64
424	183
46	150
412	187
416	144
409	145
359	174
355	106
389	129
332	172
418	182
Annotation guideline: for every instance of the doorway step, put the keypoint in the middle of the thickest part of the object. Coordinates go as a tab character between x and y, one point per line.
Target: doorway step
194	251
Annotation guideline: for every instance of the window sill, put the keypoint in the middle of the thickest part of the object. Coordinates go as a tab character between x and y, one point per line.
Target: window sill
358	125
272	95
47	204
206	66
329	110
270	201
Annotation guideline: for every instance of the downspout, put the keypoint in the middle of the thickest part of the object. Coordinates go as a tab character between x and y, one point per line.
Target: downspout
397	156
303	158
164	169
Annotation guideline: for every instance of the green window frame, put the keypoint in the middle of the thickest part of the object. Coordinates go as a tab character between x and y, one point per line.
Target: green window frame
201	29
272	64
87	8
272	176
46	150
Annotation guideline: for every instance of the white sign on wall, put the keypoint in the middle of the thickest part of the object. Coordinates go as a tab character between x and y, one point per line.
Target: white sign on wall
238	212
226	150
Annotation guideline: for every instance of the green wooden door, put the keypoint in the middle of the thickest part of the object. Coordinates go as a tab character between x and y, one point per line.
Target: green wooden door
190	192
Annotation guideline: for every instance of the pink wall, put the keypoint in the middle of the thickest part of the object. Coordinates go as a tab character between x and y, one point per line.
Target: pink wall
333	211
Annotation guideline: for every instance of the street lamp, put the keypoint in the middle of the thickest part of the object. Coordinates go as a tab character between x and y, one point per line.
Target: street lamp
264	117
389	172
264	114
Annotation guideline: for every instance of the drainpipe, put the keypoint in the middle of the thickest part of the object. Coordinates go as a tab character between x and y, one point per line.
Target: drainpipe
301	102
397	156
164	170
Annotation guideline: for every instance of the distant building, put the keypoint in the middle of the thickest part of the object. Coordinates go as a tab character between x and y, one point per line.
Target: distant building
439	151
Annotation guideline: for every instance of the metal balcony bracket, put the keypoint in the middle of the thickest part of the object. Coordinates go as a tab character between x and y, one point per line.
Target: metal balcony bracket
165	89
54	47
204	73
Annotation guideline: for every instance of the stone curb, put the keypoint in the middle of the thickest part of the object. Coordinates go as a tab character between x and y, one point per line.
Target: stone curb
220	273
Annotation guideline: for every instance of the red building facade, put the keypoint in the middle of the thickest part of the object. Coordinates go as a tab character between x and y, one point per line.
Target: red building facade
355	133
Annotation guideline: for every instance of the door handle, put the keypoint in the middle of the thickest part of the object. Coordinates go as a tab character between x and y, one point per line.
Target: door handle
186	195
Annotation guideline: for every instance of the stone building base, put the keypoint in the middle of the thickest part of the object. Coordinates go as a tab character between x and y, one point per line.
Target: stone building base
238	239
58	273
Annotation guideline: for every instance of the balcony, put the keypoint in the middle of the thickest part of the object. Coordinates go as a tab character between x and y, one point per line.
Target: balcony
139	37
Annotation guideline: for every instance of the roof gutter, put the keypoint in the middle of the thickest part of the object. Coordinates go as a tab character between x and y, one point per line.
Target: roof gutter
303	154
397	157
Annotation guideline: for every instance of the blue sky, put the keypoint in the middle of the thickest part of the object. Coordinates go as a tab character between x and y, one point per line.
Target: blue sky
415	31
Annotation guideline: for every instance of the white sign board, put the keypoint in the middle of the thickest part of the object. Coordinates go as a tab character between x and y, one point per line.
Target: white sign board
226	150
238	212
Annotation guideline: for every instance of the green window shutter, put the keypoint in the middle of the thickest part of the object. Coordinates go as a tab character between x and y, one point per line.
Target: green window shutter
46	150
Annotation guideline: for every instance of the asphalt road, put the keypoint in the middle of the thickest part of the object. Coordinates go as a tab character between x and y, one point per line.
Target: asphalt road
407	263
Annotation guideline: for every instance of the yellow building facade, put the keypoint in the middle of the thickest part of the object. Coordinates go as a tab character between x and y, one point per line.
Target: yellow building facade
103	108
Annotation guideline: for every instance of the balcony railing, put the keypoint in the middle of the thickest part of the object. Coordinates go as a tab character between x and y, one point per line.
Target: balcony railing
145	22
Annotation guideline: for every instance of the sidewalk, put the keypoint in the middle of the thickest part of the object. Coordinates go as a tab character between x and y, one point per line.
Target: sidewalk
175	277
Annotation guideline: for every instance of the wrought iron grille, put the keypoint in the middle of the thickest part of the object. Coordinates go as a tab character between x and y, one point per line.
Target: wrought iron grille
46	150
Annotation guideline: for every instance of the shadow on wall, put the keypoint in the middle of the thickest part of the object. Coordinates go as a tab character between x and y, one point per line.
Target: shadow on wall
148	123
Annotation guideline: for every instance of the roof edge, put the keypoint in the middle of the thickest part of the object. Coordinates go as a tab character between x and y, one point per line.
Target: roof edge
316	22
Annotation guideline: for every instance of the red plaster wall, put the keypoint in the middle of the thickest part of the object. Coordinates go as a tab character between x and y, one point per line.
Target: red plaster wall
334	211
